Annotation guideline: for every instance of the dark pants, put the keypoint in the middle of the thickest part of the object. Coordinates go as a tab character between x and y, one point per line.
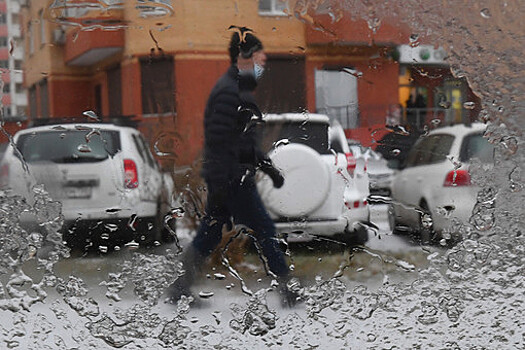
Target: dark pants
246	207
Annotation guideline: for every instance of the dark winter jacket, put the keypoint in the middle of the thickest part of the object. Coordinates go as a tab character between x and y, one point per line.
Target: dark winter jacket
230	145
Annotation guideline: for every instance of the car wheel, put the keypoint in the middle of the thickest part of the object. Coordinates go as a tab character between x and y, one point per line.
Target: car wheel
426	224
353	238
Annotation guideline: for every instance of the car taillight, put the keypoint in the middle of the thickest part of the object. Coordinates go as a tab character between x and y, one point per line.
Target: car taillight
457	178
350	163
131	176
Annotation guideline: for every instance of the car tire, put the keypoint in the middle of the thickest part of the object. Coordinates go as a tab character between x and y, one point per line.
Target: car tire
425	229
352	238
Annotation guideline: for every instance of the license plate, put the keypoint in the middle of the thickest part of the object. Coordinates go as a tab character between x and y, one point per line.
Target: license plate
77	192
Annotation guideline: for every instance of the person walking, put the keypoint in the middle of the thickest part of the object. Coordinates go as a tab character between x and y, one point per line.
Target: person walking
231	158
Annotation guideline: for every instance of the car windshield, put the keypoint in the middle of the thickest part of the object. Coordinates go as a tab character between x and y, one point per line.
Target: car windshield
476	146
312	134
69	146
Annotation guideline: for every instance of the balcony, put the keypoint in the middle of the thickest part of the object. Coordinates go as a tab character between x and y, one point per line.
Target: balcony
14	31
86	48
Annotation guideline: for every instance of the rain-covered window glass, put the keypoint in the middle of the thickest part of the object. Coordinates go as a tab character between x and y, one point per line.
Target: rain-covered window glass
158	87
350	248
68	146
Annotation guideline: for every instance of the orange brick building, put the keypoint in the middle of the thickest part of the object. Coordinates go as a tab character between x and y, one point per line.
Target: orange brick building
155	63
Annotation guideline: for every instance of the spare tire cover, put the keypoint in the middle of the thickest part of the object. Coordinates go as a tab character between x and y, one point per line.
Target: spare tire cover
306	181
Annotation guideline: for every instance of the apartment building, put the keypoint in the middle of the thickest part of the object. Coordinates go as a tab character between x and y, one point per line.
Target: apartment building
153	63
14	98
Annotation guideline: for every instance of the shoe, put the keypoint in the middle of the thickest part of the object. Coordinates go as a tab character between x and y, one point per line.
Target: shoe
191	262
289	291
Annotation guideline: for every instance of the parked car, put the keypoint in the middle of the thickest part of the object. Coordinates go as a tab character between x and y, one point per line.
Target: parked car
433	188
379	173
111	188
395	145
325	190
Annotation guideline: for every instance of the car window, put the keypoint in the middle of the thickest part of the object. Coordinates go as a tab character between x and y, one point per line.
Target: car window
147	152
312	134
429	150
139	146
68	146
476	146
441	148
336	145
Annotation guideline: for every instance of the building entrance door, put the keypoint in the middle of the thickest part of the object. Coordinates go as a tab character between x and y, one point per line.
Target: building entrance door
336	95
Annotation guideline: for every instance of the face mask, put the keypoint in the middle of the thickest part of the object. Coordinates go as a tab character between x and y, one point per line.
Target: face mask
258	70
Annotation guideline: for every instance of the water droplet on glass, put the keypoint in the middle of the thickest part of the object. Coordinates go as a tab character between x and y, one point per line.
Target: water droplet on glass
111	227
485	13
426	221
469	105
104	236
84	148
445	104
435	122
205	294
132	222
91	115
117	248
395	152
194	320
414	40
103	249
219	276
132	245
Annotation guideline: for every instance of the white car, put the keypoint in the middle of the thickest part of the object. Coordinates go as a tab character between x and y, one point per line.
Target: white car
379	174
111	188
324	192
433	189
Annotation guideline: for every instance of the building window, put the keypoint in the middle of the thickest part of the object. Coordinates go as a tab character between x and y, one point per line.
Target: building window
43	36
3	18
273	7
32	102
282	88
44	99
19	88
31	41
158	85
3	41
4	64
115	92
6	89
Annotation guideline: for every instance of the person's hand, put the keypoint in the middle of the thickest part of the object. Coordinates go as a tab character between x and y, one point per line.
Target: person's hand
276	176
